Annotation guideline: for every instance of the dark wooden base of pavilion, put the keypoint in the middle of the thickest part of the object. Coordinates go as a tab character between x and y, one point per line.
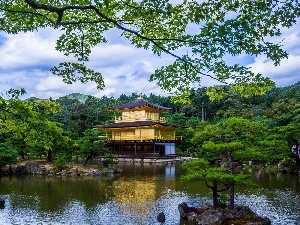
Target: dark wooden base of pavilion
140	149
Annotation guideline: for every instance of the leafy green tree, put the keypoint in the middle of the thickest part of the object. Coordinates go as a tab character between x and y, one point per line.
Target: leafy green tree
52	137
160	100
292	134
285	121
97	110
64	116
18	142
123	99
282	112
91	146
80	112
8	155
164	27
233	139
206	109
26	125
176	118
216	178
274	147
237	106
74	116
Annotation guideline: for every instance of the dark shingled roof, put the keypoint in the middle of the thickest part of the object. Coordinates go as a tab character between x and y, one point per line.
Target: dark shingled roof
139	103
135	124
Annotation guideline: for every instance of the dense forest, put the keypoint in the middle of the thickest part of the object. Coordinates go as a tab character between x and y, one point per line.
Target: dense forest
60	130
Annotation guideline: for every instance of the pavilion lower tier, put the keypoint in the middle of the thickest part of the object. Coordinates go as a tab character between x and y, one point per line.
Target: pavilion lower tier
143	149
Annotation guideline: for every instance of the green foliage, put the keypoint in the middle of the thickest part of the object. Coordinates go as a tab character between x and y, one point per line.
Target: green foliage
80	112
200	170
70	73
90	141
91	146
231	140
273	148
37	128
231	135
218	179
286	163
26	125
176	119
222	199
164	28
8	154
109	161
60	161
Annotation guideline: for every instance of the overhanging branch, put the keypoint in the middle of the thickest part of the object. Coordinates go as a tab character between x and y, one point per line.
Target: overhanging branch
61	10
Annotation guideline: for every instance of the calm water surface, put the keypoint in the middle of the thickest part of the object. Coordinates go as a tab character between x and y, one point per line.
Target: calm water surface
135	197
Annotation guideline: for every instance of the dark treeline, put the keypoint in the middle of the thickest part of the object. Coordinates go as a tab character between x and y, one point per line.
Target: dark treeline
61	129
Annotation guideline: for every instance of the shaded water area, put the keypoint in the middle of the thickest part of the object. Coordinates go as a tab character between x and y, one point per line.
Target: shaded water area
135	197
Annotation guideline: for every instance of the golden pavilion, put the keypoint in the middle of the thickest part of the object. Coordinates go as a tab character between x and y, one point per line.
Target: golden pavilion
139	131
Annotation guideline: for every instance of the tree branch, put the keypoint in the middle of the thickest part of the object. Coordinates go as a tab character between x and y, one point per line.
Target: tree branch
60	12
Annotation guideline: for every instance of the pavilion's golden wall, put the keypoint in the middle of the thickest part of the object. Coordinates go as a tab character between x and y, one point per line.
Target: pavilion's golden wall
143	134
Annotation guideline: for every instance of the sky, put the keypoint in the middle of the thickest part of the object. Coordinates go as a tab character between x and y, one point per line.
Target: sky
26	59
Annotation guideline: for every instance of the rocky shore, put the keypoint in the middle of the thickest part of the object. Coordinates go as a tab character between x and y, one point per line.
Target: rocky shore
208	215
46	168
43	168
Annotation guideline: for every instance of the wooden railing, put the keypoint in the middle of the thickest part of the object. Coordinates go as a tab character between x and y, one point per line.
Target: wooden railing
133	137
120	119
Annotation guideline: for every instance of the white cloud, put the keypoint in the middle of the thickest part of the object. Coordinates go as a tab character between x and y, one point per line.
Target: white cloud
29	50
287	72
50	83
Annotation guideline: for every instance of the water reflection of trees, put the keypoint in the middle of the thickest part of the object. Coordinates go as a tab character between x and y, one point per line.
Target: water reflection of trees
140	183
134	194
272	180
51	194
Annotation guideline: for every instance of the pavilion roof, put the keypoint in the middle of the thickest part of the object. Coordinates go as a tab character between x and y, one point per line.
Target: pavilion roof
139	103
135	124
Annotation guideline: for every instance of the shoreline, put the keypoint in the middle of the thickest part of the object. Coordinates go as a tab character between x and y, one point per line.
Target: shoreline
40	167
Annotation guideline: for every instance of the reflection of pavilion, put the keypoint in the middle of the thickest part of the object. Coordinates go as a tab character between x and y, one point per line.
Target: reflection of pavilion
134	191
135	197
137	194
170	172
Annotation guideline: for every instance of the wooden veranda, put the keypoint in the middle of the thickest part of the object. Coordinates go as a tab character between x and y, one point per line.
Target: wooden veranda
138	149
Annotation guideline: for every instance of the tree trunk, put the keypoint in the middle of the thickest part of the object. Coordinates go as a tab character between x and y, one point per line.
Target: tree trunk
231	191
215	194
231	197
88	158
49	156
22	155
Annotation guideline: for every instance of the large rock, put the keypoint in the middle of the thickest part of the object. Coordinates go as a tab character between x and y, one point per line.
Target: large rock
161	217
208	215
2	203
185	210
30	168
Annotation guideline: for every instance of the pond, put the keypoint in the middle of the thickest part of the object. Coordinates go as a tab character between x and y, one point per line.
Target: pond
135	196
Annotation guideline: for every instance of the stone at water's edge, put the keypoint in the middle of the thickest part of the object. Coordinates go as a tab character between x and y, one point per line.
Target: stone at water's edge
30	167
38	168
161	217
208	215
2	203
185	210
